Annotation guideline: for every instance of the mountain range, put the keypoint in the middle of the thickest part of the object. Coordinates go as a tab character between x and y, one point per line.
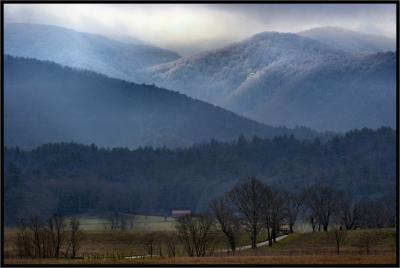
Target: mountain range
75	104
287	79
46	102
276	79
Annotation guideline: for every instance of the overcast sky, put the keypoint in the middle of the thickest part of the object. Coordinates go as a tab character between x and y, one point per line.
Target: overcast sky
189	28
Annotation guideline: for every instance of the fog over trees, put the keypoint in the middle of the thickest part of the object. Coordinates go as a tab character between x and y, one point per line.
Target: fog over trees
111	112
69	178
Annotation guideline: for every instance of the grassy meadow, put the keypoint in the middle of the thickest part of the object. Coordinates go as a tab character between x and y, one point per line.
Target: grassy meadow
133	222
112	247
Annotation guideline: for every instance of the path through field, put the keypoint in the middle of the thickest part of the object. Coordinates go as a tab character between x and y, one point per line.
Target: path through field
264	243
261	244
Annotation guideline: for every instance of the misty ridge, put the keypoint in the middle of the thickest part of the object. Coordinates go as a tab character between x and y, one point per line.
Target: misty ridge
47	102
88	119
83	50
287	79
327	79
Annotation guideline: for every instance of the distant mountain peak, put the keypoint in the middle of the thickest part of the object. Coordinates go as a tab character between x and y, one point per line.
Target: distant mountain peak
329	28
267	34
350	41
124	60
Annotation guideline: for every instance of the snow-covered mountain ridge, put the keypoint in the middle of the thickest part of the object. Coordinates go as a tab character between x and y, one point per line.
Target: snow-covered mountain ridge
287	79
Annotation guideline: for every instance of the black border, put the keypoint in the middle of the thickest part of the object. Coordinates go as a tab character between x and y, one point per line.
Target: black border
396	2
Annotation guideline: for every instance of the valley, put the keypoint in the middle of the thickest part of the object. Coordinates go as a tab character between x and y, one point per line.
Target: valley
202	134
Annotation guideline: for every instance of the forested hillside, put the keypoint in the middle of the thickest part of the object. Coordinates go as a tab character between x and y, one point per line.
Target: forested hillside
71	178
46	102
287	79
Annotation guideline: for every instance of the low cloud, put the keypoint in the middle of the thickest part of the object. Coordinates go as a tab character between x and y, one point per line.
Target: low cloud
190	28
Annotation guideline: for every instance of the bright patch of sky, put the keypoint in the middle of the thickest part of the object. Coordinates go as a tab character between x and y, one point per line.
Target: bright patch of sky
190	28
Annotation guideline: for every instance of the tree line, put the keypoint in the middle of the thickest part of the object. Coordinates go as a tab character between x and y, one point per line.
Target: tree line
251	206
70	178
256	207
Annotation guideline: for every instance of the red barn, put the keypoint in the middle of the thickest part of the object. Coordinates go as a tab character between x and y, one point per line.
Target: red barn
181	213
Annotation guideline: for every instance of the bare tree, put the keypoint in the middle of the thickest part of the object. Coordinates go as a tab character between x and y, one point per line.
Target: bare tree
160	247
75	237
57	233
185	228
196	234
35	239
148	243
322	201
312	221
24	241
277	203
171	242
48	238
267	212
311	218
35	226
248	197
348	211
293	204
228	221
274	212
340	237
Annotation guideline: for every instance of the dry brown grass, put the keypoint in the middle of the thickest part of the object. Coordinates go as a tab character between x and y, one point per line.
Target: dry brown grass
108	247
109	243
101	243
309	259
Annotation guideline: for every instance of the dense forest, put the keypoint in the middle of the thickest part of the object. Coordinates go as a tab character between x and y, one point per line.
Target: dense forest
70	178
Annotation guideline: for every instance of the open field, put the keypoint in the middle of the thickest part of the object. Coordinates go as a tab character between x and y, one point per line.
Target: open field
133	222
107	243
111	247
115	244
384	240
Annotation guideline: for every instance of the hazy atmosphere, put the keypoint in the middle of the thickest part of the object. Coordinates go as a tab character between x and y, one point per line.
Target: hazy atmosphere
206	134
191	28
